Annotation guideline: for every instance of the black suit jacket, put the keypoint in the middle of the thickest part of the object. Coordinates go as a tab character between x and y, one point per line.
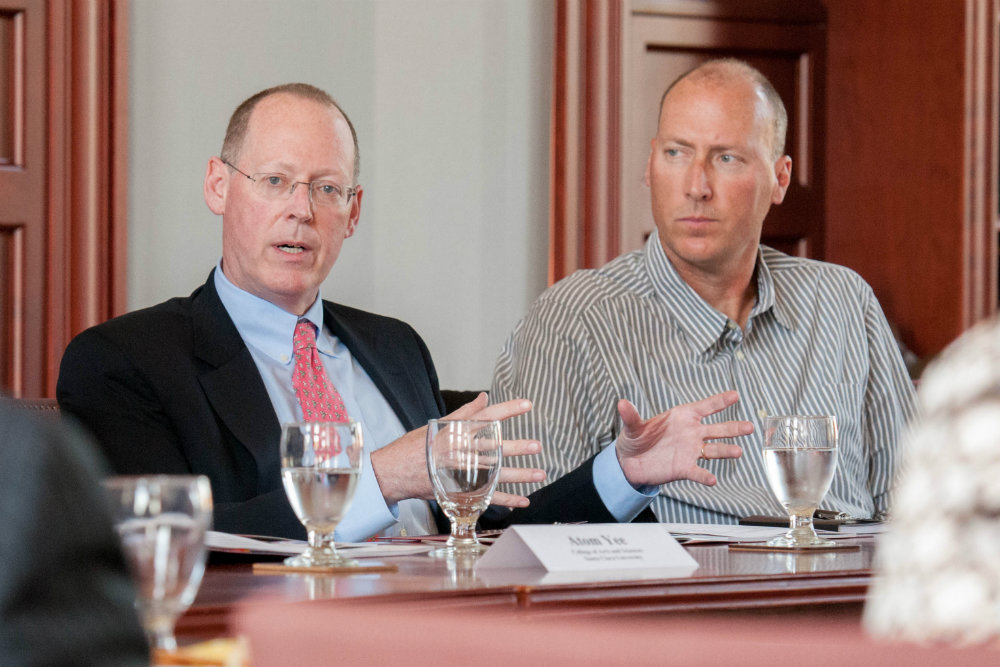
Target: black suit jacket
173	389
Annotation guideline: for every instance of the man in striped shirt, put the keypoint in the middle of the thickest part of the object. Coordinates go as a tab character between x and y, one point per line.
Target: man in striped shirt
618	361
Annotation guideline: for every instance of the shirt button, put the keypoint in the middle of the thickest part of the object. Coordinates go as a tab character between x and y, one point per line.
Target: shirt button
739	355
284	357
731	324
761	413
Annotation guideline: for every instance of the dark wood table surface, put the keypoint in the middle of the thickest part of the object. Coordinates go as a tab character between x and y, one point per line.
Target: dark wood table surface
724	580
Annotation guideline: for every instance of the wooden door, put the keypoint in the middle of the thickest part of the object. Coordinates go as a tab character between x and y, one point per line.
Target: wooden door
62	180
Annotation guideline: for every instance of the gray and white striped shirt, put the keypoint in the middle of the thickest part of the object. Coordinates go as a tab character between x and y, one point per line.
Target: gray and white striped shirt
816	342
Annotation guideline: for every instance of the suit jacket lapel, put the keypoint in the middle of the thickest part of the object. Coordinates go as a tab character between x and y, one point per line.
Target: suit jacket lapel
232	382
382	363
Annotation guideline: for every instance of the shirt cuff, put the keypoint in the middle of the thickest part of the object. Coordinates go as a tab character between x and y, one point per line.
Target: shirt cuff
368	513
622	499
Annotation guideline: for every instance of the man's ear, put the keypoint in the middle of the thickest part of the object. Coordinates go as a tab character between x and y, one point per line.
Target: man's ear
352	222
649	162
216	185
783	177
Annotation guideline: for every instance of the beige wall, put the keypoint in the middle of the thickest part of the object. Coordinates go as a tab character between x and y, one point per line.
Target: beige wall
451	102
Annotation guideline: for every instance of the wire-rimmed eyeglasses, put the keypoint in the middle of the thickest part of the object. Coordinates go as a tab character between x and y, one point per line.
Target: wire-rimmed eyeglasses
276	186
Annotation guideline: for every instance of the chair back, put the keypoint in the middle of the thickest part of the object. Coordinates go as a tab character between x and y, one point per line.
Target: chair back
456	398
42	406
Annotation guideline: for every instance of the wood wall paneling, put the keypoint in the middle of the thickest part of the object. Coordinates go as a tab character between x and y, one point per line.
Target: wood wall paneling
62	205
11	301
911	156
22	191
584	188
11	246
11	24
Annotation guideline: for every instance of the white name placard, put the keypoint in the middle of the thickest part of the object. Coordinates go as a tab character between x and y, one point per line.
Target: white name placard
593	546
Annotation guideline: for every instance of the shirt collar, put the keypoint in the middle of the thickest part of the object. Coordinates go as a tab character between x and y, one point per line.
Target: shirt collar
264	325
767	291
702	323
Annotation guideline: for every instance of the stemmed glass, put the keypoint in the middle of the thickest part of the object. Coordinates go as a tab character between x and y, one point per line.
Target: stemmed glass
320	466
464	458
161	521
800	457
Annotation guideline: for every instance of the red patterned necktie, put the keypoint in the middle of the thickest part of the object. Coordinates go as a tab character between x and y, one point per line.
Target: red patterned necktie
318	397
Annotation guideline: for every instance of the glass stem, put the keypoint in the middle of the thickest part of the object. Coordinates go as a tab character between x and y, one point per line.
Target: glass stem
161	635
801	524
463	531
321	541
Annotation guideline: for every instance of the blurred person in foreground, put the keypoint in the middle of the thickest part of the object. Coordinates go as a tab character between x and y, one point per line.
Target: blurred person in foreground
623	357
65	593
938	564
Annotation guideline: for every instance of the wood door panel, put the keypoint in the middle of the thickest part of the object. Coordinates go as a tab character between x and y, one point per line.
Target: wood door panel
11	299
22	192
62	180
11	122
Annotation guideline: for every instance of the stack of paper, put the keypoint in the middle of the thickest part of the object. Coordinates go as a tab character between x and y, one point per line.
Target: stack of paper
256	544
687	533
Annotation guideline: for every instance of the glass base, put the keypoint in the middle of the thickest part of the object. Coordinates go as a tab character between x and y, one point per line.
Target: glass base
320	558
159	615
800	539
161	635
458	550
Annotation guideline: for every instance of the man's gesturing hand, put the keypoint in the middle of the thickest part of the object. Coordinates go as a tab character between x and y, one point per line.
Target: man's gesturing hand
667	447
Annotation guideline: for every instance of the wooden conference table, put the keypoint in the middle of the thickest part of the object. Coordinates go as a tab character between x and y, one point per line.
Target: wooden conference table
724	580
737	607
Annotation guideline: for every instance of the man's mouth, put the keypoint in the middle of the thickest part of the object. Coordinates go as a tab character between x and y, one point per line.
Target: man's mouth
289	248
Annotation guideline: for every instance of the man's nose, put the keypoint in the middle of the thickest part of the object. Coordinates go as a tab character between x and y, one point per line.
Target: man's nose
698	185
300	201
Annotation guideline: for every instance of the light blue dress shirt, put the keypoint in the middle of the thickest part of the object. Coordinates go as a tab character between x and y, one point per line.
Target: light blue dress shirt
623	500
267	331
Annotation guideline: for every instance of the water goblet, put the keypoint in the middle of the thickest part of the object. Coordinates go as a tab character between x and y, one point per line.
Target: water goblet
464	458
800	457
320	466
161	521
